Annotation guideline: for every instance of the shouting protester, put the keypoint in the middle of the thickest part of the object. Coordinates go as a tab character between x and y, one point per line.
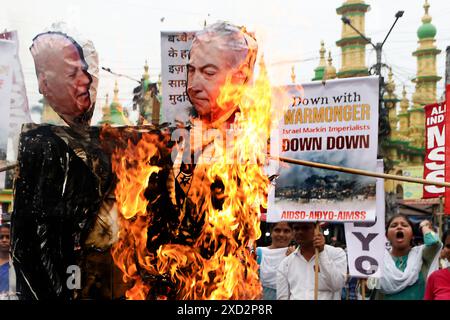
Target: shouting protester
406	266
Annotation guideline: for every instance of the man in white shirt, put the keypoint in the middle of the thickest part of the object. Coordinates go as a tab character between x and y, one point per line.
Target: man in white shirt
295	276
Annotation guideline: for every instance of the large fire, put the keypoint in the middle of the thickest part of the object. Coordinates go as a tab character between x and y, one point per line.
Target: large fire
219	263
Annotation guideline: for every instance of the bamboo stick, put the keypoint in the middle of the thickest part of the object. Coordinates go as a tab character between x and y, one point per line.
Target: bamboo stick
8	167
316	266
363	289
362	172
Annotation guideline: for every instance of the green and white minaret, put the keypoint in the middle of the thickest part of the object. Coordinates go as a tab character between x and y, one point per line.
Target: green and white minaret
353	46
426	79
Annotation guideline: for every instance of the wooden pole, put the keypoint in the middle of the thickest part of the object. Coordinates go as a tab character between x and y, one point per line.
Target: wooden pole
363	289
440	215
347	289
362	172
9	167
316	265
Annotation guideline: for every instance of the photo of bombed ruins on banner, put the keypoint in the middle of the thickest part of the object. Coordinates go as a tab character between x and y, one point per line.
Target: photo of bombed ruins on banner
234	151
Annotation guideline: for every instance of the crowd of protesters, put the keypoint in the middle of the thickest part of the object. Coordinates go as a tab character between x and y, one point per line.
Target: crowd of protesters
409	271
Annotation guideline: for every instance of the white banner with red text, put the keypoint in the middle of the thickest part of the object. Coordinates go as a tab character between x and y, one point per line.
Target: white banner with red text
333	123
434	163
447	150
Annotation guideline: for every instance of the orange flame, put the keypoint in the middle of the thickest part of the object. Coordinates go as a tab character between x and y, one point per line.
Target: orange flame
219	264
133	171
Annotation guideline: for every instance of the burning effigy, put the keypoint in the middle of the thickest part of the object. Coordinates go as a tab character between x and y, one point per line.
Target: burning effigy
168	212
190	213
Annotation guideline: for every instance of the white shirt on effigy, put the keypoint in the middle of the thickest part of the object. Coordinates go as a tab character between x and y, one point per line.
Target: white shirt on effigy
295	276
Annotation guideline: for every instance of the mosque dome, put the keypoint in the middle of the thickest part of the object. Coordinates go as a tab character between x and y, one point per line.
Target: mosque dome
426	30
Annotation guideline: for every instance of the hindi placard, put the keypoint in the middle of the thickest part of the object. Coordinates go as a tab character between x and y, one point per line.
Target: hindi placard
175	48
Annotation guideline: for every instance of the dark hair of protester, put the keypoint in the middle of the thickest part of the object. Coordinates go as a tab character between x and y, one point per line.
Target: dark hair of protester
273	224
399	216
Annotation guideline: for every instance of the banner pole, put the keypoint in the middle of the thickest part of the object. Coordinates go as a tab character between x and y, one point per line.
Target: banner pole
363	288
9	167
316	265
361	172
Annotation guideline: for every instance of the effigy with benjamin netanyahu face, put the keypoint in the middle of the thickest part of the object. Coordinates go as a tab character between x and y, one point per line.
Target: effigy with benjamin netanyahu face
103	198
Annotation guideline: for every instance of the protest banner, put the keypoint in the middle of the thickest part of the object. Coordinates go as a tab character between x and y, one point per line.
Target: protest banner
175	48
366	241
435	148
19	109
447	145
7	50
335	123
